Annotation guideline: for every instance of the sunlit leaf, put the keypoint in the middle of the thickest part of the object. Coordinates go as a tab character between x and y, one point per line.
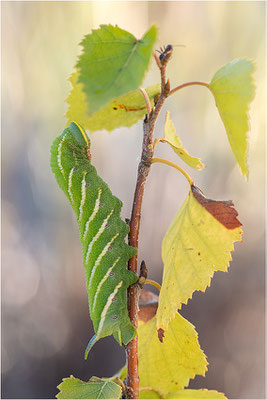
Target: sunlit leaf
183	394
123	111
150	394
168	366
95	388
174	141
196	394
113	62
233	89
198	243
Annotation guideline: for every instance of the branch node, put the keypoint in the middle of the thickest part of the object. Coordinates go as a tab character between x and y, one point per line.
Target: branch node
143	274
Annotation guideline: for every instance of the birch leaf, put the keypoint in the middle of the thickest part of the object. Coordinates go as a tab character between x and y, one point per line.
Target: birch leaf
174	141
168	366
95	388
196	394
233	89
198	243
113	62
125	111
183	394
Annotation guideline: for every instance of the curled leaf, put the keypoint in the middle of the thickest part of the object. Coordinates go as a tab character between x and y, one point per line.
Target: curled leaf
174	141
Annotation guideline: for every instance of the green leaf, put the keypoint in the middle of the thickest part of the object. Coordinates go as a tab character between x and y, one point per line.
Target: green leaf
174	141
198	243
169	365
196	394
95	388
123	111
233	89
113	62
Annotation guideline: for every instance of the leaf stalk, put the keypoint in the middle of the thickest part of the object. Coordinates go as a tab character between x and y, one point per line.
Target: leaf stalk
153	283
171	164
177	88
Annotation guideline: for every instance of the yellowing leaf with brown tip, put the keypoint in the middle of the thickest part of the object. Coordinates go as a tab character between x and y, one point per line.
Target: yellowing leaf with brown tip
198	243
174	141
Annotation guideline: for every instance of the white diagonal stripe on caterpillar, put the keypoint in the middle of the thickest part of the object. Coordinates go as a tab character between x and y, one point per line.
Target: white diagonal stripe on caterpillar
59	156
103	280
70	184
94	239
92	216
98	260
83	195
106	307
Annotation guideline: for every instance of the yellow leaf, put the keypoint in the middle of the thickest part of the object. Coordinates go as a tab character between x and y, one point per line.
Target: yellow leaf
198	243
169	366
182	394
174	141
196	394
233	89
123	111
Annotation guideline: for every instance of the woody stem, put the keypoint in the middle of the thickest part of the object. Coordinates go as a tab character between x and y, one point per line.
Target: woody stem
134	290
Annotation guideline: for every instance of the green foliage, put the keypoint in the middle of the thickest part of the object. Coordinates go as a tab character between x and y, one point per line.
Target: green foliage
198	243
174	141
126	110
233	90
200	240
113	62
105	253
95	388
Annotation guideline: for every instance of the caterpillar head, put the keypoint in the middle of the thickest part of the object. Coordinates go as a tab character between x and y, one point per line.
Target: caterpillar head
80	137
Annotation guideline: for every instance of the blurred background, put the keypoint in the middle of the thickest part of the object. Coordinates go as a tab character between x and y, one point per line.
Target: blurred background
45	320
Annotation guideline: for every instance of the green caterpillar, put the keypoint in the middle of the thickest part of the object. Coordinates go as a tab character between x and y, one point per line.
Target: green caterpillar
102	233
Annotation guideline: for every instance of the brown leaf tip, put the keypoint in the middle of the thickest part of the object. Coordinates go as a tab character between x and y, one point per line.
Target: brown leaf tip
223	211
161	334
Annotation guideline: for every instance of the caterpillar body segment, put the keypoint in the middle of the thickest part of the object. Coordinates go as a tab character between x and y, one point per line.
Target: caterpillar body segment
102	234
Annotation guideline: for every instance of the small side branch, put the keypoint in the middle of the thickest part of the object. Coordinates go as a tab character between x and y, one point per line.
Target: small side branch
148	106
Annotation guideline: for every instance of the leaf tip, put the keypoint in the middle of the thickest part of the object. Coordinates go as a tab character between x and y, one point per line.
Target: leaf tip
223	211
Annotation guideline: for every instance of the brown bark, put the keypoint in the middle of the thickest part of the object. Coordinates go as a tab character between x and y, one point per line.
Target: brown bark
134	290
